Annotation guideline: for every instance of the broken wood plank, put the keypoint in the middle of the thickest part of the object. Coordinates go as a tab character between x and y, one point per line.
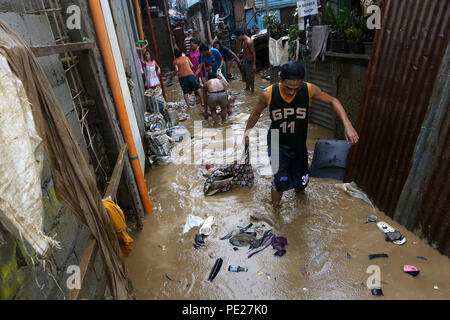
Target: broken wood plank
40	51
113	183
89	254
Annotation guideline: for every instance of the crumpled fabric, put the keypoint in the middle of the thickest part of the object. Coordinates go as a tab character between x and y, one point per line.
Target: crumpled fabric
118	221
267	242
236	174
279	243
74	184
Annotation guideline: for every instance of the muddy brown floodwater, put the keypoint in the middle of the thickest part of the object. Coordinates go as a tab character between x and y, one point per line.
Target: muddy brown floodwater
324	218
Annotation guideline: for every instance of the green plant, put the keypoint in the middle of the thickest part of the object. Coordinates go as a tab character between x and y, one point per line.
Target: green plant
355	34
277	30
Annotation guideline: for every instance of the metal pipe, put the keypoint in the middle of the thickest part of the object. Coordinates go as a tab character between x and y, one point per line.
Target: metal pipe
155	47
119	102
137	8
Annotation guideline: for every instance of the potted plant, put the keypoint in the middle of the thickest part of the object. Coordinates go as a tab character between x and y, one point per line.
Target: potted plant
338	42
354	39
368	36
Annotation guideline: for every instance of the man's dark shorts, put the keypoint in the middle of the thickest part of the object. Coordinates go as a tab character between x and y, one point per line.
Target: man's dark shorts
189	84
247	73
292	172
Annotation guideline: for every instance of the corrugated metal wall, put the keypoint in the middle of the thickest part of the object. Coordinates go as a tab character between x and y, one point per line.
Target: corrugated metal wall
320	73
407	56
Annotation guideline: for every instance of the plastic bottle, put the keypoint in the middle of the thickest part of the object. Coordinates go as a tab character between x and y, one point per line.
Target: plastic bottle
237	269
318	261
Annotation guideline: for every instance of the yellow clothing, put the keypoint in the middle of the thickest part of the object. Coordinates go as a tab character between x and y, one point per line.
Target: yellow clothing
118	221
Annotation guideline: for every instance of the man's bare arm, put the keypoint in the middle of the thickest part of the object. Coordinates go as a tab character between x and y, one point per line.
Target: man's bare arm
350	133
256	113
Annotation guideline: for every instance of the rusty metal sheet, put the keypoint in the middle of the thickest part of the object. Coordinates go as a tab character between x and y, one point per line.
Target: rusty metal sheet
407	55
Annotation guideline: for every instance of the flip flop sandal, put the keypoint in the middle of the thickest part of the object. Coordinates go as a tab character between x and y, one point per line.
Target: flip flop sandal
391	234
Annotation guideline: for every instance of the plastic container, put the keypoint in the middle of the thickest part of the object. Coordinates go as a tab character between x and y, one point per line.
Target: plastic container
318	261
237	269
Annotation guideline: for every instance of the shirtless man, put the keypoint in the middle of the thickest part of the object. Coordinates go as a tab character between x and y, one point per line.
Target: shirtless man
217	96
249	59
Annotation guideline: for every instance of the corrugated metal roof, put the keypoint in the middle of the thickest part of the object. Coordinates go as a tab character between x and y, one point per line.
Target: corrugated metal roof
407	55
274	4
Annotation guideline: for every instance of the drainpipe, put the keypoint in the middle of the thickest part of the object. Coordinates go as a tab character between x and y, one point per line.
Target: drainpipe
154	45
119	101
137	8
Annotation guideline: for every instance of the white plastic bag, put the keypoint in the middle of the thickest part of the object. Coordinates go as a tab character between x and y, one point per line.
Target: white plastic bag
191	222
21	161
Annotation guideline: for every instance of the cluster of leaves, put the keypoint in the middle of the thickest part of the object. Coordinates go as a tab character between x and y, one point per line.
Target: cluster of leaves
351	26
277	30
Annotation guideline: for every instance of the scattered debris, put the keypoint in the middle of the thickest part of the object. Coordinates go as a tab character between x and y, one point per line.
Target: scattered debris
376	291
192	221
215	270
206	228
378	255
243	239
278	244
391	234
318	261
412	270
198	241
267	240
163	248
352	189
422	258
279	253
237	269
169	84
303	271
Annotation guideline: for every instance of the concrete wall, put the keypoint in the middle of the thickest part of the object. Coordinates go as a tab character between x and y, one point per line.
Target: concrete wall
162	39
94	76
18	278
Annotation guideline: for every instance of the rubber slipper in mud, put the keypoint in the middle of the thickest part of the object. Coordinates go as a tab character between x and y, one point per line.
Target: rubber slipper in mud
206	228
199	242
215	270
391	234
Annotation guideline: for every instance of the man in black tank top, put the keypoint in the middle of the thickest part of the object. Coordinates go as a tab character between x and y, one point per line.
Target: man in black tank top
289	102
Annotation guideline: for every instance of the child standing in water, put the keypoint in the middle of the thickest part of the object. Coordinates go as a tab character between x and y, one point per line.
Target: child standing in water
194	56
151	70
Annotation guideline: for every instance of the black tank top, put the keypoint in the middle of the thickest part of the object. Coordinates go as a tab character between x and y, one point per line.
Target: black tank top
290	117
